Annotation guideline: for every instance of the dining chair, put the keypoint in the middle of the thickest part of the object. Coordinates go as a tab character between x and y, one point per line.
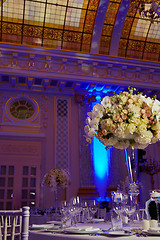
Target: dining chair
152	209
14	224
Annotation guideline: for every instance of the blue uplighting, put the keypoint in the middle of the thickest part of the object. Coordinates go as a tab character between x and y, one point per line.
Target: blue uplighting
101	159
101	164
98	98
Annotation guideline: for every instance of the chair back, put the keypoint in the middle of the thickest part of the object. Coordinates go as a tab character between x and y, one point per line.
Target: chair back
152	209
14	224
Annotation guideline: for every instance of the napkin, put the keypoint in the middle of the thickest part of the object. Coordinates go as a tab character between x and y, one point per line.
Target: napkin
97	220
55	222
84	229
39	226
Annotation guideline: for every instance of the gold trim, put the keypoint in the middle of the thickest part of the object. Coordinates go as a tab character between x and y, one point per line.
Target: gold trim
19	131
12	125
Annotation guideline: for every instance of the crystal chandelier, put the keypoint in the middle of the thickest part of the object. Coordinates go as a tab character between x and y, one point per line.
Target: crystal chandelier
148	9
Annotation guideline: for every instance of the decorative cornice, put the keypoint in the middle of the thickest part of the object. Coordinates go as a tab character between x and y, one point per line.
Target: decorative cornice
64	66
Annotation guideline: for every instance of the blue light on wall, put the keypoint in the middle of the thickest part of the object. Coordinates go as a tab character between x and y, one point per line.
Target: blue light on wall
101	163
101	159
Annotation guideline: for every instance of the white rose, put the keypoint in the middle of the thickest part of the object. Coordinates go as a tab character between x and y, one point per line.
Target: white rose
156	126
145	120
116	117
121	131
131	128
106	123
136	121
141	128
124	99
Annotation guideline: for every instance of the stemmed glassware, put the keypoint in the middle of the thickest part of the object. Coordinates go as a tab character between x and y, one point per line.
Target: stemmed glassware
85	211
118	201
73	210
93	207
130	207
63	207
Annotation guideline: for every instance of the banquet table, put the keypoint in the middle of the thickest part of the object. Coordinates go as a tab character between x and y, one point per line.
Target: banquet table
42	235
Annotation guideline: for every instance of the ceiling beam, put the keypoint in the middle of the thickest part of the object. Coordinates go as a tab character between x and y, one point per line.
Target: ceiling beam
98	26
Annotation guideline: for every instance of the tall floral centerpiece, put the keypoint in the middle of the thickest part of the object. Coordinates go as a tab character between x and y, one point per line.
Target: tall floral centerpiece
57	178
124	120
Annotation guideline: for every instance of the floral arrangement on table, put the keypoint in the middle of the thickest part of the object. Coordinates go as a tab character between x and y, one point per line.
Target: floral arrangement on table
123	120
57	177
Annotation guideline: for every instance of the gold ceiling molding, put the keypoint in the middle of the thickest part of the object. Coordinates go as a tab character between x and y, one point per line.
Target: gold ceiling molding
64	66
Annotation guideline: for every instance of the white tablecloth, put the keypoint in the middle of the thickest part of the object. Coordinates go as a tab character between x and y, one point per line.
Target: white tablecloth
38	219
50	236
37	235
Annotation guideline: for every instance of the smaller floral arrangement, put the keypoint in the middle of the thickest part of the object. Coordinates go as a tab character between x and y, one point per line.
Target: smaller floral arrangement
57	177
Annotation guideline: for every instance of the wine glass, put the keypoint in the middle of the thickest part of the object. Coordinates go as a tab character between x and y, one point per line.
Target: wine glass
92	207
73	210
63	207
64	211
118	201
130	207
85	211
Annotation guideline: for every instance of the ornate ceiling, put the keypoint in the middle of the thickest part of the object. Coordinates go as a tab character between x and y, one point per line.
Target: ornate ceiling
78	47
112	28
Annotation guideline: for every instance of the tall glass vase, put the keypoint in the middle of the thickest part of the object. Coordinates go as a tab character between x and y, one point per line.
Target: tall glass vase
132	163
56	200
132	167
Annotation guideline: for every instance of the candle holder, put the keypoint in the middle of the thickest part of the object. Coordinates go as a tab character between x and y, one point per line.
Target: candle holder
151	167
